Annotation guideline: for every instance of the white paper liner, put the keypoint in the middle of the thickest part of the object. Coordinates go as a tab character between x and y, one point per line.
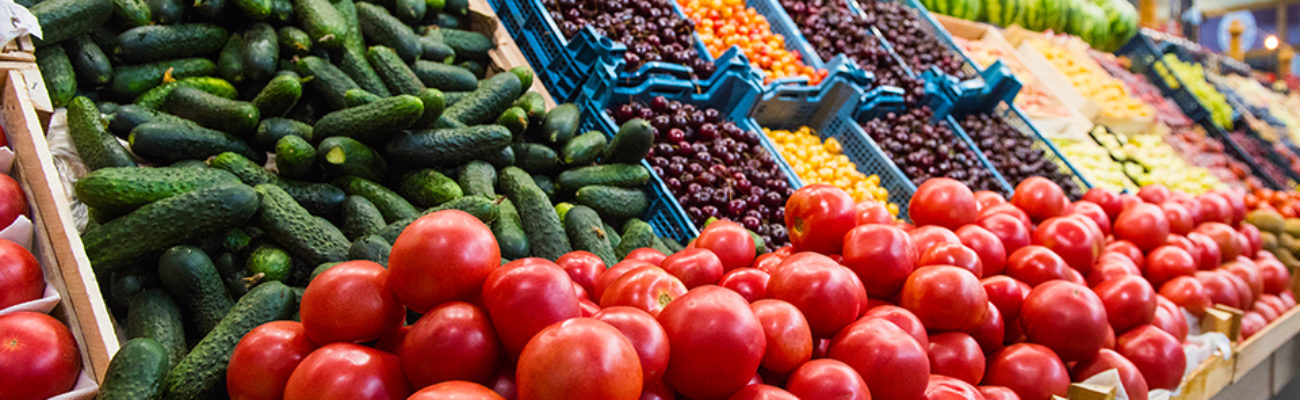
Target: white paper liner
43	305
86	389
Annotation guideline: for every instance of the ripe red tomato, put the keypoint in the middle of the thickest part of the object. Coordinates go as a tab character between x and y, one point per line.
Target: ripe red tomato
1244	295
929	236
1157	354
1108	200
1236	199
789	339
998	392
1144	224
441	257
817	217
646	254
503	382
1032	371
608	276
1275	302
1007	294
953	254
1154	193
1180	220
1253	236
21	279
1128	249
456	390
1251	323
1111	266
1169	262
1187	292
1246	269
1218	288
647	288
892	363
882	256
39	356
1170	319
1186	244
1066	317
264	358
1210	254
1034	265
583	267
945	297
717	343
904	319
647	337
989	248
347	371
1011	232
1224	236
695	267
392	341
457	334
579	358
526	295
750	283
944	202
762	392
731	242
1214	208
1265	310
12	201
1008	209
1092	212
827	293
826	378
991	332
1040	198
351	302
1071	239
988	198
1134	384
1287	298
957	355
947	388
1130	301
768	262
872	212
1276	277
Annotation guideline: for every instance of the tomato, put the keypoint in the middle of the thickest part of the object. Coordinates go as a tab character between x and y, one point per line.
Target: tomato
1276	277
647	337
459	335
12	201
1251	323
1189	203
1128	249
1180	220
1265	310
953	254
526	295
1108	200
1188	293
789	339
347	371
1154	193
985	244
991	332
1168	262
1010	210
456	390
817	217
768	262
717	343
957	355
646	254
929	236
441	257
1066	317
579	358
1211	255
695	267
826	378
1134	384
657	390
882	256
1007	294
945	297
1111	266
944	202
1287	298
988	198
999	392
1092	212
1273	301
762	392
1237	202
21	279
1244	295
1158	355
583	267
872	212
647	288
1127	200
39	356
1144	224
1218	288
351	302
1040	198
943	387
731	242
392	340
1130	301
1246	269
264	358
1170	319
1011	233
608	276
1224	236
503	383
824	291
1034	265
1252	235
892	363
1071	239
904	319
1032	371
750	283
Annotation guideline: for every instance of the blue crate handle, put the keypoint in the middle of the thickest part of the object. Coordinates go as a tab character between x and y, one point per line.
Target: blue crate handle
876	103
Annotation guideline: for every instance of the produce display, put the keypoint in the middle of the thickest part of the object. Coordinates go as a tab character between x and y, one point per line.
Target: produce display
817	161
1193	76
653	30
1266	102
722	25
919	48
1113	96
831	28
1261	153
1015	154
924	150
1033	98
1167	112
1164	165
1095	163
1200	149
1104	24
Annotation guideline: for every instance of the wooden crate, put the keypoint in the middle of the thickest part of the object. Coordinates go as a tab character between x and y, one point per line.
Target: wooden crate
506	55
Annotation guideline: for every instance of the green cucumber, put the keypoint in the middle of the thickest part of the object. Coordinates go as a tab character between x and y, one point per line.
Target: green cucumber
434	104
483	209
89	62
620	175
295	157
393	71
189	276
230	62
562	208
231	116
561	124
361	217
468	45
534	104
166	12
89	133
389	203
282	11
516	120
371	248
501	159
612	234
326	80
455	97
270	130
545	232
278	96
164	42
129	116
256	10
486	103
632	142
535	158
130	81
478	178
65	19
446	20
447	147
294	40
585	148
444	77
166	143
261	48
119	190
408	11
268	263
380	27
432	49
317	198
428	188
212	10
153	314
614	202
136	371
636	234
545	183
59	75
341	155
524	74
587	232
322	21
359	97
509	232
459	8
353	63
370	123
155	97
292	227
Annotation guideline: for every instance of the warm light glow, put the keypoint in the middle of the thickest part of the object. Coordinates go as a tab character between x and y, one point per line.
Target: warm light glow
1270	42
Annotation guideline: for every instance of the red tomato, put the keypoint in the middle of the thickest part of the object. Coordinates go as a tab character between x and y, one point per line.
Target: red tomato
1180	220
347	371
1134	384
351	302
583	267
1170	319
1071	239
947	388
646	254
647	288
991	332
989	248
1186	244
999	392
1244	295
459	335
751	283
1253	236
929	236
717	343
1093	212
1187	292
768	262
762	392
953	254
21	279
587	308
826	378
1130	301
1007	294
1008	209
789	339
1032	371
38	355
503	382
872	212
1154	193
1224	236
824	291
957	355
904	319
731	242
580	358
1265	310
647	337
1144	224
1219	288
1127	200
1276	277
1034	265
817	217
1169	262
12	201
608	276
456	390
695	267
945	297
1237	201
442	257
1011	232
264	358
1251	323
1108	200
524	296
1128	249
987	198
1066	317
882	256
944	202
1211	255
392	341
1040	198
1287	298
1158	355
892	363
1111	266
1246	269
657	390
1275	302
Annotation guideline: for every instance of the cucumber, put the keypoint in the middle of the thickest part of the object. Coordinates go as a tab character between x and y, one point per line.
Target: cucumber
130	81
408	11
428	188
393	71
361	218
166	12
320	269
326	80
320	20
524	74
370	123
268	263
231	116
476	67
353	63
662	247
317	198
117	191
278	96
516	120
484	209
295	157
444	77
230	62
294	40
486	103
619	175
545	232
129	116
89	134
270	130
282	11
560	124
446	20
59	76
89	62
636	234
447	147
509	231
380	27
189	276
587	232
563	208
309	109
501	159
585	148
153	314
231	275
256	10
434	105
614	202
459	8
166	143
535	158
390	204
467	44
632	142
432	49
261	48
155	97
292	227
107	107
65	19
612	234
478	178
164	42
533	104
136	371
359	97
545	183
371	248
340	155
212	10
455	97
204	367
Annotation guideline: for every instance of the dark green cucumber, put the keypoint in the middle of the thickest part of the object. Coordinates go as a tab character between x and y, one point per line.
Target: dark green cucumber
446	20
341	155
231	116
256	10
136	371
232	275
393	71
294	40
389	203
291	226
130	81
535	158
107	107
380	27
295	157
444	77
434	104
614	202
166	11
587	232
317	198
230	62
662	247
455	97
478	178
467	44
153	314
408	11
485	210
212	10
268	263
203	368
509	232
614	238
486	103
631	143
89	62
309	109
320	269
545	232
120	190
435	50
447	147
64	19
545	183
475	67
620	175
516	120
320	20
89	133
270	130
371	248
261	48
428	188
132	13
278	96
534	104
164	42
501	159
585	148
282	11
59	76
353	63
636	234
189	276
359	97
166	143
561	124
360	218
524	74
189	164
155	97
129	116
371	123
326	80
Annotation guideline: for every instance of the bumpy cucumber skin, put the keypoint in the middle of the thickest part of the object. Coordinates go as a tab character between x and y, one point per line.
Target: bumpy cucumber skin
122	189
136	371
545	232
192	279
153	314
89	133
